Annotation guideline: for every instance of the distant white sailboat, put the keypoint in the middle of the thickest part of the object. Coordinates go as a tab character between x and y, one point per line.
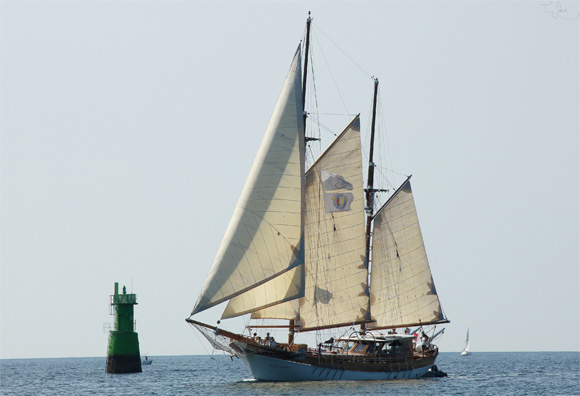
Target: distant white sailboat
466	351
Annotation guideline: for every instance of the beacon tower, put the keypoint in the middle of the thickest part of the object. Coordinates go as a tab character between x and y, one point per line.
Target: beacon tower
123	353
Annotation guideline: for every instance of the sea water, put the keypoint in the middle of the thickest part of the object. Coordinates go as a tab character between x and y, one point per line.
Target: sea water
522	373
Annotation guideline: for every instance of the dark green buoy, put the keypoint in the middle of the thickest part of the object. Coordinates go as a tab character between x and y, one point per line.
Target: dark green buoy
123	355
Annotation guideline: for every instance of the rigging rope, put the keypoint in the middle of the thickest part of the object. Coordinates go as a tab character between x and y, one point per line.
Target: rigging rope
341	50
332	74
203	344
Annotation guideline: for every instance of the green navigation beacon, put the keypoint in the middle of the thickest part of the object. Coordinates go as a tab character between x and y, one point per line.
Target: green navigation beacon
123	354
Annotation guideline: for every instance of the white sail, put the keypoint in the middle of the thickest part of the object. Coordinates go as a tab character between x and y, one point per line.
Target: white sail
285	287
289	310
466	349
265	236
402	288
335	284
336	277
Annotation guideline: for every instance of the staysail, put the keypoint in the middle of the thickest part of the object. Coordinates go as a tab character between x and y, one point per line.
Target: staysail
402	288
285	287
265	236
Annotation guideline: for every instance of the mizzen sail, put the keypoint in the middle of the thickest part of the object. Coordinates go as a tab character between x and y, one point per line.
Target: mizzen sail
402	288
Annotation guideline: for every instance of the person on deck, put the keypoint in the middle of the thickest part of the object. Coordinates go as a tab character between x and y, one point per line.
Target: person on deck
424	341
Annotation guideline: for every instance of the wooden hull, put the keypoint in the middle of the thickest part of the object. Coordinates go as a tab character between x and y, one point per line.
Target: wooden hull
282	363
269	364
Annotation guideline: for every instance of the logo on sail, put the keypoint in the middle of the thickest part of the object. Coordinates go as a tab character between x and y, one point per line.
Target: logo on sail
336	201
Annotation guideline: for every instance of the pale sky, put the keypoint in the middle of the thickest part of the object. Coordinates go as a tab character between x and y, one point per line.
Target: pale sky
128	129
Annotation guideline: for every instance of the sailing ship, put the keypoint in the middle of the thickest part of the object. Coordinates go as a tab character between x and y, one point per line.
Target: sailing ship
306	247
466	351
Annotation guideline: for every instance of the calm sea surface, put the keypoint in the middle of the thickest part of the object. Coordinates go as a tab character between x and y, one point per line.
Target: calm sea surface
527	373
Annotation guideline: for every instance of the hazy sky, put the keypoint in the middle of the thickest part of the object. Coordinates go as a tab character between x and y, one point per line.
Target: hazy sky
128	129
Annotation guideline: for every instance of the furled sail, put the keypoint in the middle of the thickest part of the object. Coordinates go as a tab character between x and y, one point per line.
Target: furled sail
265	236
402	288
335	285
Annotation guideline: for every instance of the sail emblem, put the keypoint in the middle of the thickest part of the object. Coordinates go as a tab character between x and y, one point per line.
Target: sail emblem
341	202
336	201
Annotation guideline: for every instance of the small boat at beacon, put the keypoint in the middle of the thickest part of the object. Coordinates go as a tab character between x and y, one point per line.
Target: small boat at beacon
312	249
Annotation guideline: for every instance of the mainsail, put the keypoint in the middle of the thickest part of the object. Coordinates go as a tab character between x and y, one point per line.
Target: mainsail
335	285
336	277
402	288
265	236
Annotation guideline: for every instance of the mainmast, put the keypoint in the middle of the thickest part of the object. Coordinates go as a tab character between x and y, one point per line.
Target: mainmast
371	178
370	191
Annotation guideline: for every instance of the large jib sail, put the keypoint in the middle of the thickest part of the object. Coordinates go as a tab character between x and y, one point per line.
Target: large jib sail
402	288
265	236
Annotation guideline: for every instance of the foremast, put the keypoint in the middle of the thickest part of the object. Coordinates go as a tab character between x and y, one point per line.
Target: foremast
305	75
292	323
